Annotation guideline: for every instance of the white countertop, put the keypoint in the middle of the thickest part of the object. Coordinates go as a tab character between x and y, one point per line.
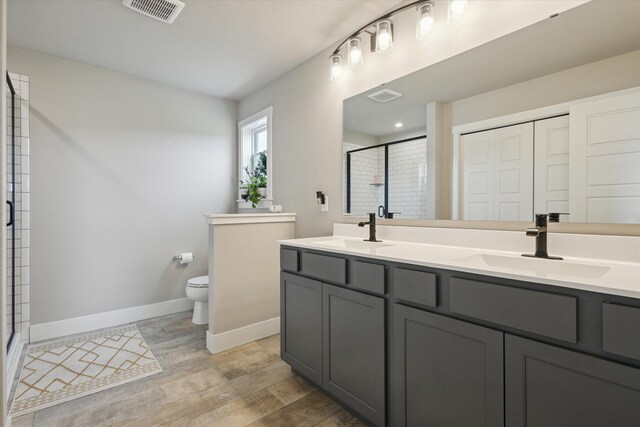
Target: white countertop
252	218
604	276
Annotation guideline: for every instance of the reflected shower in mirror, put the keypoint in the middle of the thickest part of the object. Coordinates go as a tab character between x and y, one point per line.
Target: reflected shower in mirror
545	119
388	179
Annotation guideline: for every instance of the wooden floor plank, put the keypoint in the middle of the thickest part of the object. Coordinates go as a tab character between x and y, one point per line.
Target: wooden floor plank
246	385
307	411
342	418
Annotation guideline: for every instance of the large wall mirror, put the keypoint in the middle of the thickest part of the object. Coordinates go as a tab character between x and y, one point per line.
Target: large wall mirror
546	119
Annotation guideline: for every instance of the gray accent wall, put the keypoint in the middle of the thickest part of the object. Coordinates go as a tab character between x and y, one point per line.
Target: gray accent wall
122	170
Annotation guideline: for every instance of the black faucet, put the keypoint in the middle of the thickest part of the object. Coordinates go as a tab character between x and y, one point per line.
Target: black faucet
540	233
372	228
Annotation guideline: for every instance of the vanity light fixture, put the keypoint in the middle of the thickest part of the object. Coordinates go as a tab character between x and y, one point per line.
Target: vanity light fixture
457	10
383	37
426	20
355	52
382	33
336	67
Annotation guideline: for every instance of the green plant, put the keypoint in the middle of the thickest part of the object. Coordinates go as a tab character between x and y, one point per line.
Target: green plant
244	190
252	186
256	179
261	167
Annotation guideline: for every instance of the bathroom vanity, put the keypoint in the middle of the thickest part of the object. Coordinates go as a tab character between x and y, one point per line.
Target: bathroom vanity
465	334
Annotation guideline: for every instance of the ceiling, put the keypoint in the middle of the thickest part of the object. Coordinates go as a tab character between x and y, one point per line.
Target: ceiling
588	33
222	48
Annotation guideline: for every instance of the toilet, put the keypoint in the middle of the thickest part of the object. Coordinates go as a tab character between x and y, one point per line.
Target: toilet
198	291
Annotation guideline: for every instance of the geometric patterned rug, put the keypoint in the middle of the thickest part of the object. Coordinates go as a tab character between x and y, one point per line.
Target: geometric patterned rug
67	369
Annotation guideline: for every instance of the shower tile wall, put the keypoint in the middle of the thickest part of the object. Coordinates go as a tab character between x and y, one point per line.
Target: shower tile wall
408	179
365	197
22	206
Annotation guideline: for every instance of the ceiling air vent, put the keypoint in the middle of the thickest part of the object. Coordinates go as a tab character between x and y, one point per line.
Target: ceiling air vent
162	10
385	95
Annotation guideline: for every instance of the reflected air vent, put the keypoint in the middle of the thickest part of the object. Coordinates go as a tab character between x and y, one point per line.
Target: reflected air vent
385	95
162	10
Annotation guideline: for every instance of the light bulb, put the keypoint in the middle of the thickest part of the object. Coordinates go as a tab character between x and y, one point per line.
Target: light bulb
457	10
384	36
398	125
457	6
335	72
426	20
355	52
384	40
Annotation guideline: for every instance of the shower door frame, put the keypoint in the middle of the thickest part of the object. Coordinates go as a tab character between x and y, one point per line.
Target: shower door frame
386	167
12	205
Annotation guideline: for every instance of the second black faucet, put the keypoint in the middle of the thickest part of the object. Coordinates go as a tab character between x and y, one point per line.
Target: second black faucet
540	233
372	228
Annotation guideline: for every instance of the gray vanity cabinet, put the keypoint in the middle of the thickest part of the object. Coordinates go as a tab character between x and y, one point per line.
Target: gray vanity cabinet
447	348
547	386
354	350
301	325
447	372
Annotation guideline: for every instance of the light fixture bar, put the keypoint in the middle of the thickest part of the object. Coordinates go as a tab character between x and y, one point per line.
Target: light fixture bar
382	35
373	22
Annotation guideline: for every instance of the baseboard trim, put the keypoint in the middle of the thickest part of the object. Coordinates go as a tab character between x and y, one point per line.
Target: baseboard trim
77	325
12	359
226	340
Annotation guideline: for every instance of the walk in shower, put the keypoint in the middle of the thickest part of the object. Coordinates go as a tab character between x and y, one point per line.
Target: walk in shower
18	206
10	323
388	178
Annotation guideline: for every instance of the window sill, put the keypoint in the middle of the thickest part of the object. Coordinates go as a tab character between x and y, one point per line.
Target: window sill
262	204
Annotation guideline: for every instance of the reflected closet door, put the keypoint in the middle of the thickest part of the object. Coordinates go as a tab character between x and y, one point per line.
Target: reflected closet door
605	158
497	174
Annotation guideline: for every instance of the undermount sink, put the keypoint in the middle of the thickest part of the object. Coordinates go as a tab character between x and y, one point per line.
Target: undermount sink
352	244
538	266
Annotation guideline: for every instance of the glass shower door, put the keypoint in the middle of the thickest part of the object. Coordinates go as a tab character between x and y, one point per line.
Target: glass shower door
11	230
365	175
407	179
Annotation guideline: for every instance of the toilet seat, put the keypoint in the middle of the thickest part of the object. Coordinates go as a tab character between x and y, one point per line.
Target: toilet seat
198	282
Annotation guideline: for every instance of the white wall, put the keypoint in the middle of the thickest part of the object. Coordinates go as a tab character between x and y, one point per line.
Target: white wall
358	138
307	106
122	171
608	75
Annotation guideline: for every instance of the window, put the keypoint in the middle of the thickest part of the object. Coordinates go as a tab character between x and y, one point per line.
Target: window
254	160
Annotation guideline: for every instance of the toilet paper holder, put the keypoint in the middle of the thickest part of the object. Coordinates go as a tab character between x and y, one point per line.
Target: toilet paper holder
178	257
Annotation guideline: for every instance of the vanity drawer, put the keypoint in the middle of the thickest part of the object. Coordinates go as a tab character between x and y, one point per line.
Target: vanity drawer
289	260
324	267
368	276
419	287
549	315
621	330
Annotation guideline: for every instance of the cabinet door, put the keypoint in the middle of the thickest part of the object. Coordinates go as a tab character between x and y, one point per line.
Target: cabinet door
548	386
448	372
301	325
354	350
